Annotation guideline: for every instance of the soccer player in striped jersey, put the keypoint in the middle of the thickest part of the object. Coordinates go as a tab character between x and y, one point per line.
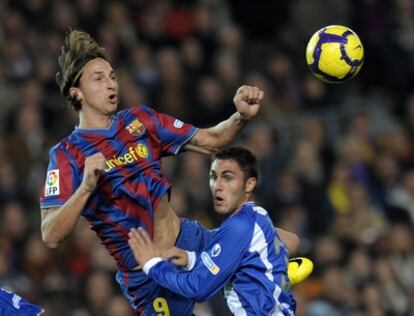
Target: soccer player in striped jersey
108	170
245	255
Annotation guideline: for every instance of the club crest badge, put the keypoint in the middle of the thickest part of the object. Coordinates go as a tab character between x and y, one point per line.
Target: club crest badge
135	128
215	251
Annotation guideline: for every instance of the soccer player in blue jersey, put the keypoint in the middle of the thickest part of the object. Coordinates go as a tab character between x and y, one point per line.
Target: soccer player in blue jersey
245	255
108	170
12	304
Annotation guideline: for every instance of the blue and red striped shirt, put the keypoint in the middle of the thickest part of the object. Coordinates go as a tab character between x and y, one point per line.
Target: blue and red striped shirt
132	184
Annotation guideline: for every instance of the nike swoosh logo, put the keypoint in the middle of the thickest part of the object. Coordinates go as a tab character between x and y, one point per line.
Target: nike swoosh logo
297	260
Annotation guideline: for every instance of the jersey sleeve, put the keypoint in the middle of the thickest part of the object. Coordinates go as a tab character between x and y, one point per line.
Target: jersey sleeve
173	133
214	266
61	179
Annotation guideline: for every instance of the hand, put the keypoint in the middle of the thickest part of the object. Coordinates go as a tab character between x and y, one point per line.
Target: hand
94	167
247	101
177	256
142	246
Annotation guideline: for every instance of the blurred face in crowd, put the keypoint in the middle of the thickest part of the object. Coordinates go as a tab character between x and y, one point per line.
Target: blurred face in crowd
229	186
97	89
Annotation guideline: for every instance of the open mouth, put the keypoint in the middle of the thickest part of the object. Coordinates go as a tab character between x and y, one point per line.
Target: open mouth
218	200
113	98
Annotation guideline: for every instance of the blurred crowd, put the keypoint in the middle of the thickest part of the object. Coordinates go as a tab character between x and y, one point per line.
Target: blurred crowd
337	161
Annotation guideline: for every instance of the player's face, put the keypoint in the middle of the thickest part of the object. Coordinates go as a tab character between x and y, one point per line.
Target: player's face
228	186
98	88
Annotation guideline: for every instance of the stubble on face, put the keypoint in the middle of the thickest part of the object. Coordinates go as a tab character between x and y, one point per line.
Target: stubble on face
227	185
98	87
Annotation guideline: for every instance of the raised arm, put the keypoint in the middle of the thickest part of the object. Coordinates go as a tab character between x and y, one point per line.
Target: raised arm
58	222
207	140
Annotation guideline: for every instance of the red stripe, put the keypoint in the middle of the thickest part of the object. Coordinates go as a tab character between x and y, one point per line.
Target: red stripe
117	255
65	175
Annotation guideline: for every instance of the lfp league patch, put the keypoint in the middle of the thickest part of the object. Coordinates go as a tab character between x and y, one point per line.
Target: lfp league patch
209	263
52	183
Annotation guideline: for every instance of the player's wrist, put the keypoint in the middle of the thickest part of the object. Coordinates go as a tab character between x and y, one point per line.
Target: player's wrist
191	260
244	117
150	263
85	190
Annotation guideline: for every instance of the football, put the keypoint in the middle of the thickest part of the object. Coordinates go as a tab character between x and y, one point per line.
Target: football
335	54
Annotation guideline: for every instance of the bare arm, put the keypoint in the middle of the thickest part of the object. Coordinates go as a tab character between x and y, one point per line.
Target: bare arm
207	140
58	222
291	240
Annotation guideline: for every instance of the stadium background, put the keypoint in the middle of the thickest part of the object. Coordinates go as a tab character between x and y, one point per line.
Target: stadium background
336	160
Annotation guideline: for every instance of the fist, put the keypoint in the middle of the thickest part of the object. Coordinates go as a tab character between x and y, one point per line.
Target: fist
247	101
94	167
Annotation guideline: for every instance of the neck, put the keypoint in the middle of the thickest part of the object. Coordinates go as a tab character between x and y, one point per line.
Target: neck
95	121
246	200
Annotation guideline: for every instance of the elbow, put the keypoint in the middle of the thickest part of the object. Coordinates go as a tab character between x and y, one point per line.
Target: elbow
202	294
49	240
200	297
198	291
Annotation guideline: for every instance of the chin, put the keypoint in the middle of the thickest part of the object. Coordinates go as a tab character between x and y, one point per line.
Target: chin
221	210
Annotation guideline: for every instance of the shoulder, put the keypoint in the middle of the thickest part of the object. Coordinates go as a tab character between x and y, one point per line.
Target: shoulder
142	113
61	146
65	151
241	223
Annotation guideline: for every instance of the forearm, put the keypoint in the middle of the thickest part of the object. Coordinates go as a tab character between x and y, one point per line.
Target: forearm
226	131
210	139
194	285
58	223
291	240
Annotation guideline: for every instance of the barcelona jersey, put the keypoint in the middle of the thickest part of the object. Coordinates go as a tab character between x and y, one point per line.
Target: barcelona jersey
131	185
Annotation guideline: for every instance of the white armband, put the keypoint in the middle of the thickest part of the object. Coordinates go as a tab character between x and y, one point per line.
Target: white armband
150	263
191	260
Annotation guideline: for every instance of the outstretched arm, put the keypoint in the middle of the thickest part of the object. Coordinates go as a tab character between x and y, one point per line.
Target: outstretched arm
209	274
207	140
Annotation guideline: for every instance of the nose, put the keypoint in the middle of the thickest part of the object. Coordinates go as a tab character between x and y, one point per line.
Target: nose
217	187
111	83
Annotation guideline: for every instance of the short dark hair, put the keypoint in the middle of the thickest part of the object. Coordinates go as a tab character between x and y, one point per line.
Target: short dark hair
79	48
244	158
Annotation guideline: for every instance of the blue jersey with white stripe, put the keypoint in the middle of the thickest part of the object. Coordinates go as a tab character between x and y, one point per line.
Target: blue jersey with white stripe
12	304
246	257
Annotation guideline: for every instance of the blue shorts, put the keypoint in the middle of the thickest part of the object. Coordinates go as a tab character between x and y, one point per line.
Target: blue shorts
147	298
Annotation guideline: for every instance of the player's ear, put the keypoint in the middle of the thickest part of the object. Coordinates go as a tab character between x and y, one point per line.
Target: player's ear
251	185
75	93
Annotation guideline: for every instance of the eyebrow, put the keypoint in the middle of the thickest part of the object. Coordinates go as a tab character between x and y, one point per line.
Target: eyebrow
99	72
225	172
